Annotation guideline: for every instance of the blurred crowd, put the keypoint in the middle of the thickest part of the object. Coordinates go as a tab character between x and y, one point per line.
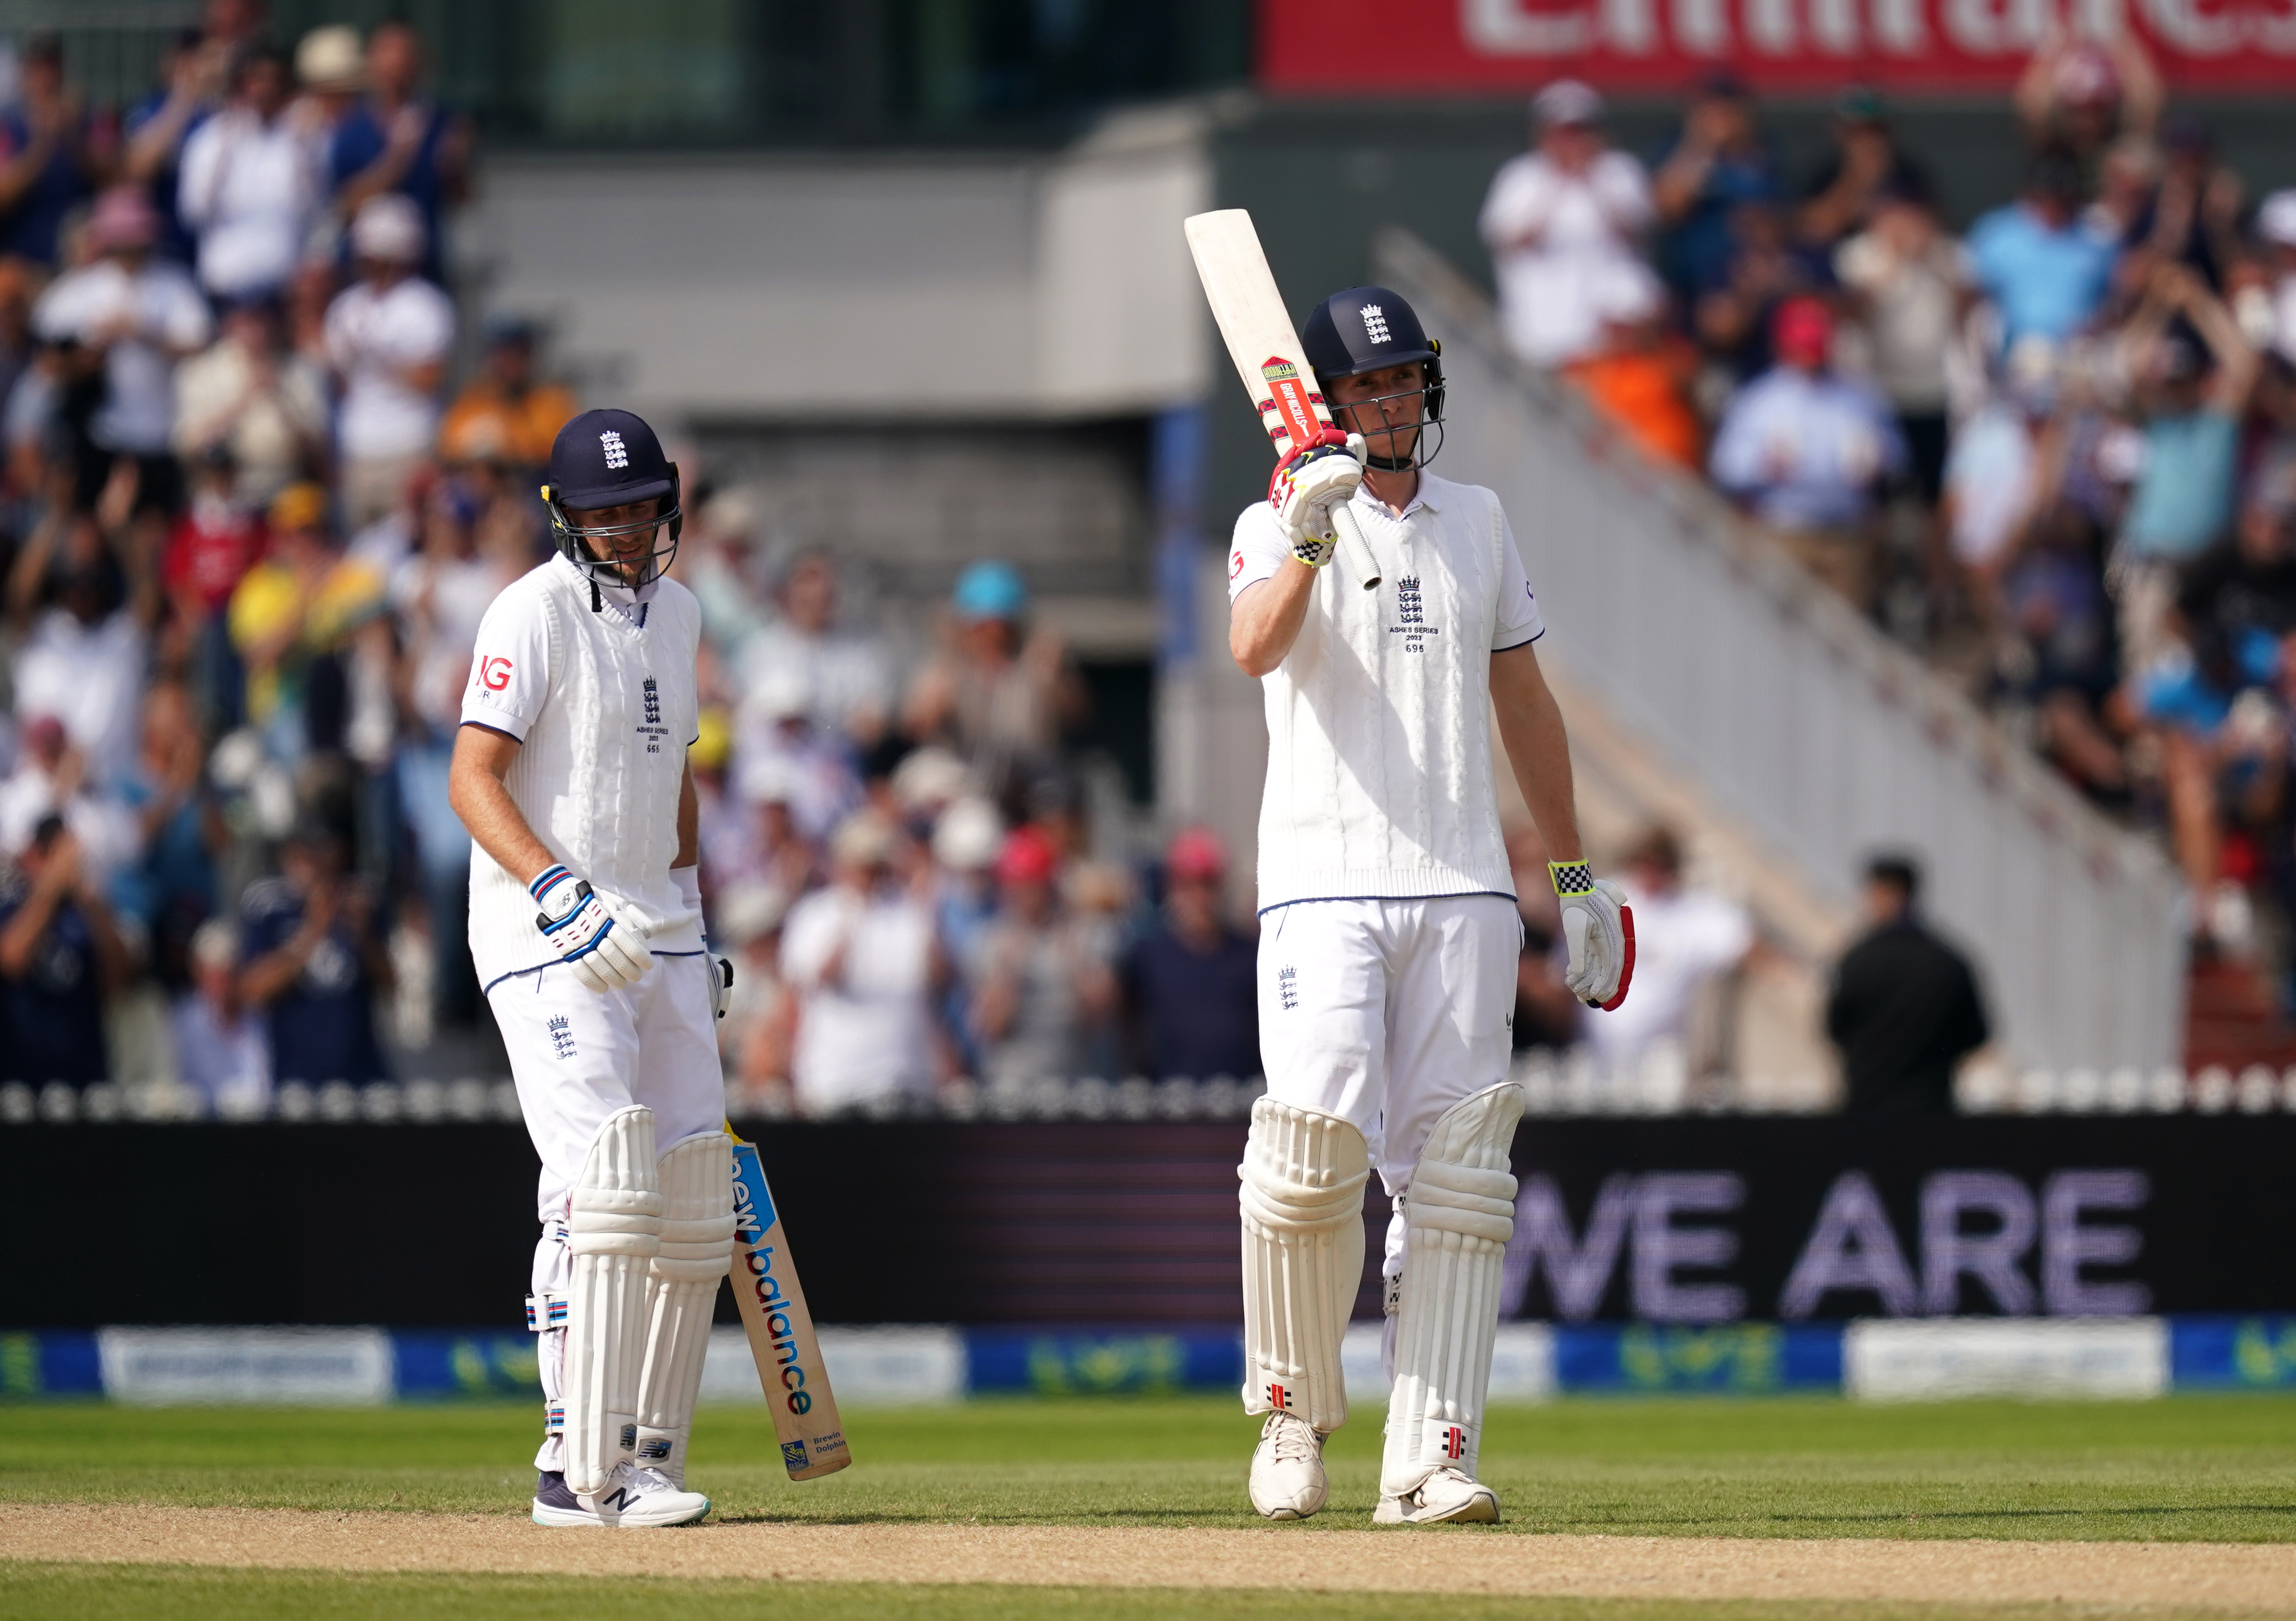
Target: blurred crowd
260	483
2057	451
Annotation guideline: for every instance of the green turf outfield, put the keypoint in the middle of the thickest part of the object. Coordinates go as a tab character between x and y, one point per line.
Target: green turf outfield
104	1592
2190	1468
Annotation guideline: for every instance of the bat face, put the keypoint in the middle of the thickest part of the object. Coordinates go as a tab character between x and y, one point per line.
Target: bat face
1294	414
780	1328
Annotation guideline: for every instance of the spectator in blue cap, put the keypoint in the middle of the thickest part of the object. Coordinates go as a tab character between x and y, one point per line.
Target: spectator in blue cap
999	691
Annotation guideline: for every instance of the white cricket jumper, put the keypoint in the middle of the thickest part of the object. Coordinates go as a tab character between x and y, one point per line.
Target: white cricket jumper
1379	734
603	699
604	705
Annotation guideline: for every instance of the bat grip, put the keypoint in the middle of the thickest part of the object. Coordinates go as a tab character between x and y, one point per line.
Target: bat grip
1354	550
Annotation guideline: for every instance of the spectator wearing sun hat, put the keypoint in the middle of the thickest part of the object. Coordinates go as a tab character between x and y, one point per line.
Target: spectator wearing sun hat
1000	691
387	336
1561	222
2275	227
861	958
1191	999
142	314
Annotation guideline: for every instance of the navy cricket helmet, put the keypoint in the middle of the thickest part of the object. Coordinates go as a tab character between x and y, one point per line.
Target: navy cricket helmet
1368	329
608	459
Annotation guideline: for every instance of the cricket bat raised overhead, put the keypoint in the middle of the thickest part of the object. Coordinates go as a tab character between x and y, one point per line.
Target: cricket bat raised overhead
1249	309
782	1339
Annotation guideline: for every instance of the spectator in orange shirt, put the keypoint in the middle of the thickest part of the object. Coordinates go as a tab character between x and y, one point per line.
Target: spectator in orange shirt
504	415
1640	378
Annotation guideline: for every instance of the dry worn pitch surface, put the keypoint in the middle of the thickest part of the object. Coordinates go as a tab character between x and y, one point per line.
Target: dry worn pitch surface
2244	1576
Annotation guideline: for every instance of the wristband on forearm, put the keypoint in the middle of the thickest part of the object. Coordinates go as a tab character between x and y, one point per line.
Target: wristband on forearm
1570	877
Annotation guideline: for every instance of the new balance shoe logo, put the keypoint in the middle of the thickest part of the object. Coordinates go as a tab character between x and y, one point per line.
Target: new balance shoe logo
617	458
1374	323
619	1499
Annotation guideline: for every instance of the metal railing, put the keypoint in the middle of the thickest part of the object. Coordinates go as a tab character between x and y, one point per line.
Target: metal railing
1799	717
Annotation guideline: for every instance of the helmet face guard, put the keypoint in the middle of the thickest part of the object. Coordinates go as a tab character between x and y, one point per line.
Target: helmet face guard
1394	445
631	572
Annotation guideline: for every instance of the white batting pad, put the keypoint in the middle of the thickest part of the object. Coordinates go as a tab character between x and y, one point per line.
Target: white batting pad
697	1246
1461	1213
613	1230
1303	1176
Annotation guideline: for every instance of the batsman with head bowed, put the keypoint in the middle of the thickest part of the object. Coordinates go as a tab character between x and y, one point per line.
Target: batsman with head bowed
1389	935
570	771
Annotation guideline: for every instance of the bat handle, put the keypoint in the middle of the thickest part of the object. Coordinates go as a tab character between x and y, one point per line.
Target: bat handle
1354	550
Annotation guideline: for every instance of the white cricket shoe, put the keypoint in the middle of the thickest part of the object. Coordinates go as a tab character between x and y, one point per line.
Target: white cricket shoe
635	1495
1287	1468
1448	1497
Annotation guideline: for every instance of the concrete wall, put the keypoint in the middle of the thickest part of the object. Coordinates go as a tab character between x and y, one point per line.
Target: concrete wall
781	287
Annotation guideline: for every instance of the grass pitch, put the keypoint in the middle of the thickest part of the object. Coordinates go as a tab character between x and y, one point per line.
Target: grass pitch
2218	1468
102	1592
2188	1468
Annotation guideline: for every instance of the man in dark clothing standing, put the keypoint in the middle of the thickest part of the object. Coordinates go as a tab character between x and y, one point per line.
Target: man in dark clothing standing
1904	1008
1190	983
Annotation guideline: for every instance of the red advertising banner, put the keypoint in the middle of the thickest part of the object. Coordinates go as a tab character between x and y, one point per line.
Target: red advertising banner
1417	47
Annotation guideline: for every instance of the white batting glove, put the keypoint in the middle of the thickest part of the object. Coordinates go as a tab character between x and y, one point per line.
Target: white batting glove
596	936
721	980
1598	926
1307	485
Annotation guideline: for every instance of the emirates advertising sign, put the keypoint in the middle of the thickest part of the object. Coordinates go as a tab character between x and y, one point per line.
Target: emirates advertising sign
1415	48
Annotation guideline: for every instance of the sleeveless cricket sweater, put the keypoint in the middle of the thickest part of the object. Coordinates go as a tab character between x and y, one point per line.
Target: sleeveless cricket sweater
598	772
1379	733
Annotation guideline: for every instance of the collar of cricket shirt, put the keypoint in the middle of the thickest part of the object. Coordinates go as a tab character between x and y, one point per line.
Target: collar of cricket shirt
1424	496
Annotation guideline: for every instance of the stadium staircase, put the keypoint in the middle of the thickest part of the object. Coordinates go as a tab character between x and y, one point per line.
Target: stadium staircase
1793	724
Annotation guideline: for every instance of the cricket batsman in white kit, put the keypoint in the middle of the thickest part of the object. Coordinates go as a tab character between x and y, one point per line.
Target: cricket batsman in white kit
586	925
1389	935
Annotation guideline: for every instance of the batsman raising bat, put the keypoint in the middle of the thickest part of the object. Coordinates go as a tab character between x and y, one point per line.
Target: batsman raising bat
1388	934
585	924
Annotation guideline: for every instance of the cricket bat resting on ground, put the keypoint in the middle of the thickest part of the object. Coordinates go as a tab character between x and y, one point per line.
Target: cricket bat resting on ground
781	1328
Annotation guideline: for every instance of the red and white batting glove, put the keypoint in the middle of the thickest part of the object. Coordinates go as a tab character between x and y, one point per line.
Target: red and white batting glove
595	937
1598	926
1307	484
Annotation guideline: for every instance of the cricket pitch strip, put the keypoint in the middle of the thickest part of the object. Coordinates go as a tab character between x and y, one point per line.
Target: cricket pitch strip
2250	1577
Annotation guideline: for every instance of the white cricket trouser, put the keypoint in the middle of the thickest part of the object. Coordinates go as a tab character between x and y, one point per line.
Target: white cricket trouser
578	1055
1386	1012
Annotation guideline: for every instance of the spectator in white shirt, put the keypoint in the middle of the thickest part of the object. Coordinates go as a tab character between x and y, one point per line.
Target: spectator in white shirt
251	182
52	779
142	314
388	336
1806	449
84	644
861	956
842	674
2275	227
1911	285
1562	224
1684	940
223	1051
